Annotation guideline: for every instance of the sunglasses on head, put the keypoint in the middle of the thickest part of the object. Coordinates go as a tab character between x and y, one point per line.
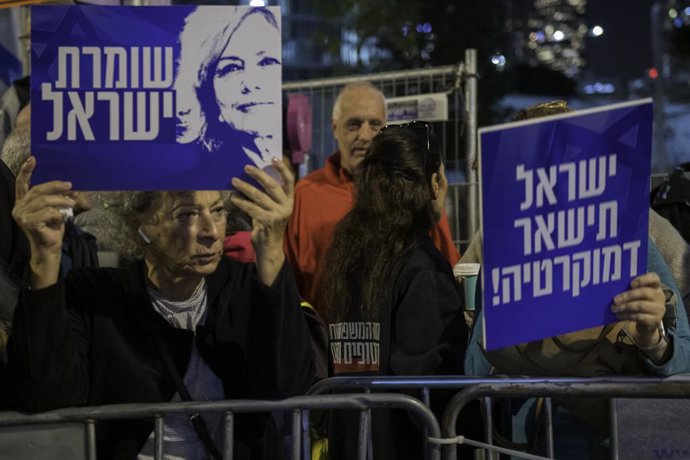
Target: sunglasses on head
418	126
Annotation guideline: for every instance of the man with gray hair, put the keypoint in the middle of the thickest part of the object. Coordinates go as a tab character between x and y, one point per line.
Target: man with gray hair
323	197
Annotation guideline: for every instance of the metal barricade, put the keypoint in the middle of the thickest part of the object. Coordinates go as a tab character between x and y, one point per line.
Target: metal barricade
472	388
89	416
615	387
457	135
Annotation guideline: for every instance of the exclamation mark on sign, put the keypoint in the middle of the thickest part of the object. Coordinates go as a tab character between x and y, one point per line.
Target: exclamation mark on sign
496	278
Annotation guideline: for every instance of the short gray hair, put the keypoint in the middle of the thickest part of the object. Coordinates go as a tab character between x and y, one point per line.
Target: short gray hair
337	106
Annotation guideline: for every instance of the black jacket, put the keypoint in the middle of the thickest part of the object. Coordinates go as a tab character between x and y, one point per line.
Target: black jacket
422	332
91	340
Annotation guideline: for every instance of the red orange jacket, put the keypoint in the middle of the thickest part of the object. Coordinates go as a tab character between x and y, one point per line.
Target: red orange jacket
322	198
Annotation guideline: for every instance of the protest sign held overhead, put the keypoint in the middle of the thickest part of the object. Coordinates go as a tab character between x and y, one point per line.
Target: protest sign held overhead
564	219
154	98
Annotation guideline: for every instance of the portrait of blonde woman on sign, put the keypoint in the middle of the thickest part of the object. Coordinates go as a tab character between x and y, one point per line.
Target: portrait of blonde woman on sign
228	84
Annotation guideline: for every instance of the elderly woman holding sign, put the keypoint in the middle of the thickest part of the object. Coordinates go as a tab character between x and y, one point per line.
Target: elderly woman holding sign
228	83
183	323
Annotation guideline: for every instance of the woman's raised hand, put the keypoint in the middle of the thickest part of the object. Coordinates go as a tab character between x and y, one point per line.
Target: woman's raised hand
37	212
270	210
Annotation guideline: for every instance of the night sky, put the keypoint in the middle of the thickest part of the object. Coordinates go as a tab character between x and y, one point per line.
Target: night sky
625	48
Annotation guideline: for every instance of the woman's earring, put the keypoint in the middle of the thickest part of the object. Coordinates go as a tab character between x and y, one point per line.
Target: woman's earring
143	235
220	118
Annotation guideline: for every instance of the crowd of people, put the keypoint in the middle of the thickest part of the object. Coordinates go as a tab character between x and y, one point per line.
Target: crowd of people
259	294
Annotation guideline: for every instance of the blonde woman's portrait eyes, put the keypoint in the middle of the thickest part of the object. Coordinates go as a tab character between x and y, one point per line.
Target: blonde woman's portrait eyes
229	66
268	61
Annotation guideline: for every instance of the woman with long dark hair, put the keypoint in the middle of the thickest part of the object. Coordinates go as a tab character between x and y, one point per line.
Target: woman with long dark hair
393	304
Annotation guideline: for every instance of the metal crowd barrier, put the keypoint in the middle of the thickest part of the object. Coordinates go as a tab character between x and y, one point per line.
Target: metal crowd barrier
441	440
605	388
472	388
296	405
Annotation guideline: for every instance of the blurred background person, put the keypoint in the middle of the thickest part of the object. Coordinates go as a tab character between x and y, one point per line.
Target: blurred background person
323	197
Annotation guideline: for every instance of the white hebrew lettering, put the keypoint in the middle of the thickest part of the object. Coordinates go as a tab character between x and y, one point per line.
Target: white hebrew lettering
542	285
545	186
582	271
543	232
115	56
144	112
114	110
154	78
56	99
521	174
63	53
634	248
610	209
80	114
593	173
610	273
571	227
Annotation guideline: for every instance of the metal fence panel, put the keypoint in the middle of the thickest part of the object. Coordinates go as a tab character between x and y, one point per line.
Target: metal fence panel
652	428
455	135
47	442
79	436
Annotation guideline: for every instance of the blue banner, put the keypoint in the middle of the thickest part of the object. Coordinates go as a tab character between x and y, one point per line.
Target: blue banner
154	98
564	217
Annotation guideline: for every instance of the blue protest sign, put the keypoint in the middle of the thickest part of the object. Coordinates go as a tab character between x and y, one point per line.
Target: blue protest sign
154	98
564	218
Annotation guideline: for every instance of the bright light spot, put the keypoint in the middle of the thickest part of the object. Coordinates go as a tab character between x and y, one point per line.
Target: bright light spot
597	31
498	59
540	36
653	73
686	11
424	28
672	13
558	35
257	3
599	88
